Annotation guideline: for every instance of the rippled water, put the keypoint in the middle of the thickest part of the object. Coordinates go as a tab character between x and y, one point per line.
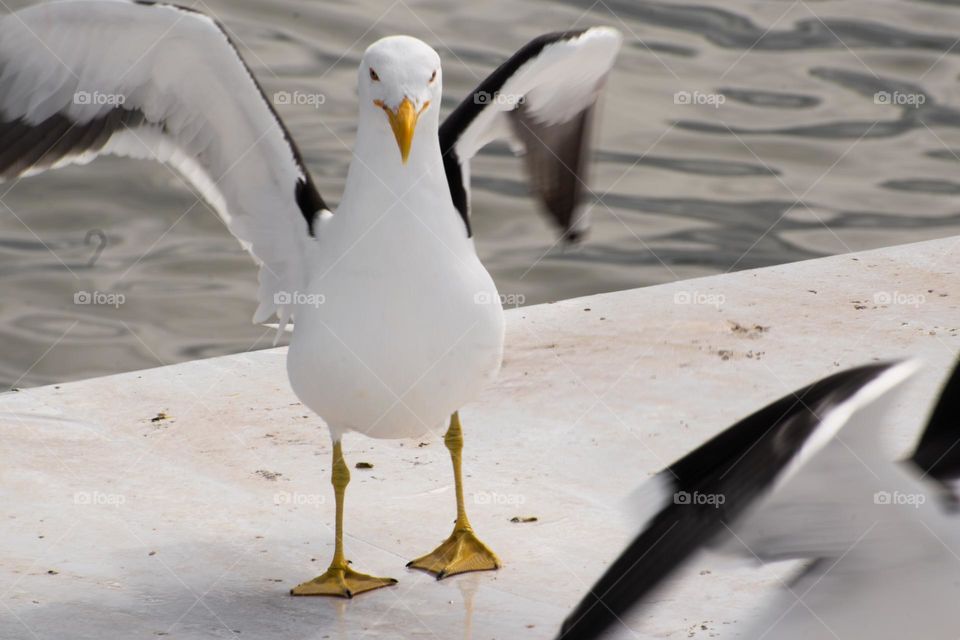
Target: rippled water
787	149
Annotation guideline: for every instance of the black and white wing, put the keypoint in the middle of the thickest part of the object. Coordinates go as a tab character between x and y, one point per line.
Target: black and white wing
721	485
542	99
139	79
938	451
879	544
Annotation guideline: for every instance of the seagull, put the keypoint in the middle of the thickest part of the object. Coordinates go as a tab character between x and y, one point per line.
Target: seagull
396	323
805	479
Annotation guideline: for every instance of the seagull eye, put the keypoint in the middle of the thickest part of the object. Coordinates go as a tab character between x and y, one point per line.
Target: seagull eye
433	76
373	75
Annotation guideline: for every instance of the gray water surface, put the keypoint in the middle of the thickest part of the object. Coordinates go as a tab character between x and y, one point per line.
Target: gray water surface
786	150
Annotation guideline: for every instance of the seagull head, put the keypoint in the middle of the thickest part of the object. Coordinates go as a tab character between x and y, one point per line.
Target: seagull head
399	81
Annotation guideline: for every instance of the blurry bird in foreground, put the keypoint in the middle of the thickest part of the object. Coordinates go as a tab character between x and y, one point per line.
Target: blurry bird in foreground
805	478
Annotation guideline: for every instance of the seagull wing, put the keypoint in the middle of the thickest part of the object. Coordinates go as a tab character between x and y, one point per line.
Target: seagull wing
90	77
938	451
542	99
697	500
879	542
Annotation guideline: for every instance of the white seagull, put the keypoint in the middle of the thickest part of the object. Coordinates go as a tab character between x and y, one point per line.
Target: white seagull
806	478
396	322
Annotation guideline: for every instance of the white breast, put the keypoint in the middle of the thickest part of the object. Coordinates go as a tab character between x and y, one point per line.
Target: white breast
405	326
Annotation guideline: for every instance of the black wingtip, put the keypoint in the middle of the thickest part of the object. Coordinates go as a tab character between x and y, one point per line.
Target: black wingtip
308	200
938	452
573	238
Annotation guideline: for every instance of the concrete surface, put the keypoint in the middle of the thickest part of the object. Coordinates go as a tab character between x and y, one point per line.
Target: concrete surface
119	523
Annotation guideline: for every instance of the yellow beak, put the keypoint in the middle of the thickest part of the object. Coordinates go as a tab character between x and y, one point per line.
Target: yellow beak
403	121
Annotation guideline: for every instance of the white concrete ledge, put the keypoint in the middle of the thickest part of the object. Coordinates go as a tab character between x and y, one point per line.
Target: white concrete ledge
197	524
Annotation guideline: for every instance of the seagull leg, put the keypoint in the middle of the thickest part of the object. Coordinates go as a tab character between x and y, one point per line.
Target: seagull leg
340	580
462	551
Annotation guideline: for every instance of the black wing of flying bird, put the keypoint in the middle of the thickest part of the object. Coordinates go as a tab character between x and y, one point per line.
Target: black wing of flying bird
938	452
739	465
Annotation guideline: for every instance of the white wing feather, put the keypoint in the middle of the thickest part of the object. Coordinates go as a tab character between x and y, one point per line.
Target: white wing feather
202	113
560	82
541	100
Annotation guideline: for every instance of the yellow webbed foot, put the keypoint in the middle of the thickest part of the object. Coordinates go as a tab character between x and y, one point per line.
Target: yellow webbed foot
340	582
460	553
